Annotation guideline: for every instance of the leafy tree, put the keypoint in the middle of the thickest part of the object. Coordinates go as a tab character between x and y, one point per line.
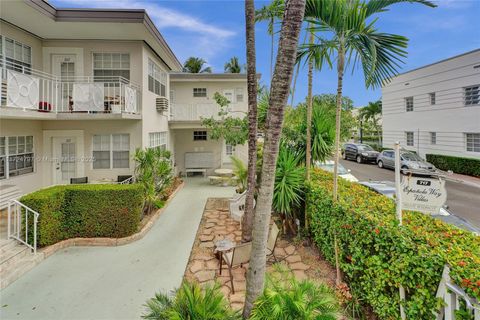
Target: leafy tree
233	66
196	65
372	113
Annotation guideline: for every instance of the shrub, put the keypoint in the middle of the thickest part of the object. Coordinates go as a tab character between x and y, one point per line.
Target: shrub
285	298
377	255
102	210
468	166
191	302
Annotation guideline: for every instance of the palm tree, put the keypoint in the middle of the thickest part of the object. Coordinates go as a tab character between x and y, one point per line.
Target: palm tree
279	89
196	65
371	112
270	13
233	66
380	54
247	220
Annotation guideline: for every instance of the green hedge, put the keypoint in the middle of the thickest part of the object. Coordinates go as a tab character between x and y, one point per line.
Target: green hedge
469	166
102	210
376	255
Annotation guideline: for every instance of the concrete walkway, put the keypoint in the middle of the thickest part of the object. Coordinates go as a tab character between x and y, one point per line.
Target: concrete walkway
113	282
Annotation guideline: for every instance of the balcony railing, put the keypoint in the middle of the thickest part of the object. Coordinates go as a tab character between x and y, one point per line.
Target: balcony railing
197	111
29	89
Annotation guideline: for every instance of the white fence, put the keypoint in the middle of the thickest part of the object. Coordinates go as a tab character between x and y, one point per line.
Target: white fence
30	89
197	111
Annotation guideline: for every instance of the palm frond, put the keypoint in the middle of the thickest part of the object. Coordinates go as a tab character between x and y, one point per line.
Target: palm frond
377	6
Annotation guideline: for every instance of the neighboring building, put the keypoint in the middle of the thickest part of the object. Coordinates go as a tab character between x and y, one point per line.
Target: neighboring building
435	109
81	89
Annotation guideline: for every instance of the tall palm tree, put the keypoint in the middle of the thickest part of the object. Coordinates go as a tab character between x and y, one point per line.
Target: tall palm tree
196	65
357	40
371	112
279	89
233	66
270	13
247	220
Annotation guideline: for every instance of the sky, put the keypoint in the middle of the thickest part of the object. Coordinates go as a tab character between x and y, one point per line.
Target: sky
215	31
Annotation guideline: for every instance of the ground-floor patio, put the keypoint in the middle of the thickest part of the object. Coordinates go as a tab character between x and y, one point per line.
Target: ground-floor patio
114	282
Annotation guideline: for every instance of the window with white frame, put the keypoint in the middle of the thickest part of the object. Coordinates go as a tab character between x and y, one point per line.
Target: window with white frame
16	156
157	79
472	141
239	94
111	67
15	54
409	104
472	95
409	137
433	138
199	135
229	150
199	92
158	140
111	151
432	97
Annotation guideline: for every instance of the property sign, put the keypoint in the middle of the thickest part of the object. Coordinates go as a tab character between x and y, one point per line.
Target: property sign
423	194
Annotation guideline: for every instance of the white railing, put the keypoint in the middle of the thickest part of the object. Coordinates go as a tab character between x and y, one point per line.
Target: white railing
128	180
454	298
197	111
30	89
19	224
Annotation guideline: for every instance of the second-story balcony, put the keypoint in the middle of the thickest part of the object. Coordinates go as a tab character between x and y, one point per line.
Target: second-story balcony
192	112
43	95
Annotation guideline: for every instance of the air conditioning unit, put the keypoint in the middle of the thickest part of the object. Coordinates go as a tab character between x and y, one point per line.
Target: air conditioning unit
161	104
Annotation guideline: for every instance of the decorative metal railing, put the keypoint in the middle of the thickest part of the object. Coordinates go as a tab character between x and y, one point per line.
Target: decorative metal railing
197	111
22	224
29	89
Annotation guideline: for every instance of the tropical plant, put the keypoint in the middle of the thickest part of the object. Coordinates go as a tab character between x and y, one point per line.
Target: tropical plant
286	298
240	171
190	302
359	40
287	50
233	66
196	65
372	112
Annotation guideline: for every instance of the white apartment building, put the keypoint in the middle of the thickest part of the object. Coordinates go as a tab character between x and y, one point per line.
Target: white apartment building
82	89
435	109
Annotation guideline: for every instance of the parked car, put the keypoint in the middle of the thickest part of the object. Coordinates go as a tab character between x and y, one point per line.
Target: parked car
387	188
342	172
359	152
408	161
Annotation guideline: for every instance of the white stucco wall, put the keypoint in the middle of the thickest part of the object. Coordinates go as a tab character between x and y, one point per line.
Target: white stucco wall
449	118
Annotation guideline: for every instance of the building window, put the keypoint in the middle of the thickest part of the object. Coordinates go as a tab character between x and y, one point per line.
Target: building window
16	156
409	137
433	138
432	98
157	79
472	142
111	67
472	95
158	140
199	92
239	95
199	135
111	151
16	55
409	104
229	149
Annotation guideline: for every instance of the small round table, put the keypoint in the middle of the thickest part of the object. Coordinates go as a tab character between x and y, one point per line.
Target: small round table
225	174
221	247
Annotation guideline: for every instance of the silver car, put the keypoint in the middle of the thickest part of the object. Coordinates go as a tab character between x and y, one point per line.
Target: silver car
408	161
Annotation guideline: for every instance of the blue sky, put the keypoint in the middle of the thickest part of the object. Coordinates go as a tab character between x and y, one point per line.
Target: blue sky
215	31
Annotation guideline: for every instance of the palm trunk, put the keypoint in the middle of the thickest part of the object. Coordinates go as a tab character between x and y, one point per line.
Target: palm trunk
247	220
272	21
297	71
340	69
279	91
308	158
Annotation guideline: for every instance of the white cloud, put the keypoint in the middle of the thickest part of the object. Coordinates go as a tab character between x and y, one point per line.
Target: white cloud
209	41
455	4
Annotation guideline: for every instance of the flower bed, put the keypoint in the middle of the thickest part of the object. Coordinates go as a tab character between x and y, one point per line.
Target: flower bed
376	255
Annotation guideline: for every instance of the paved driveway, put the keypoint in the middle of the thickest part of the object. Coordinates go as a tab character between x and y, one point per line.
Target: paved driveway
113	282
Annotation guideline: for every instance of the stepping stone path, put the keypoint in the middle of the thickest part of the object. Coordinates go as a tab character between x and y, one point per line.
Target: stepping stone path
203	266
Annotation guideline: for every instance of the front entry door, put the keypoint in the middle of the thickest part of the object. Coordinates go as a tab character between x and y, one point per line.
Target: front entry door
64	164
63	66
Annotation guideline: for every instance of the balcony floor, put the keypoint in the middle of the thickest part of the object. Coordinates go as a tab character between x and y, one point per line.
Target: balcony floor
16	113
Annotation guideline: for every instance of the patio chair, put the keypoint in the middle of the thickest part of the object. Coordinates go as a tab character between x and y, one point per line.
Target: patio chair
272	241
81	180
239	255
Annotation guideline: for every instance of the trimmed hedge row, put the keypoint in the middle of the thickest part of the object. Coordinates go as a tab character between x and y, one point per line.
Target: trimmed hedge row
376	255
102	210
468	166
